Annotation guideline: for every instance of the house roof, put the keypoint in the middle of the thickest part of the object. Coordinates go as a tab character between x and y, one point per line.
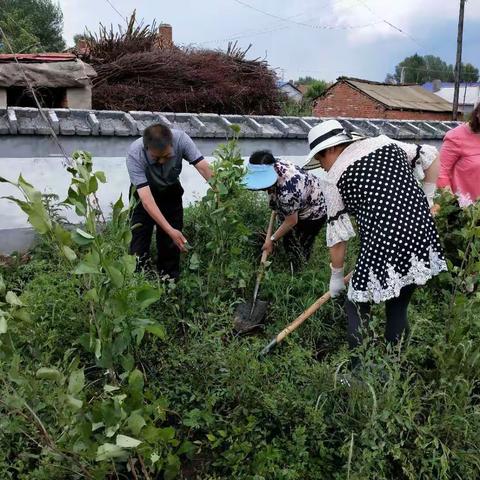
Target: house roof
281	84
303	88
429	85
401	96
37	57
468	95
57	71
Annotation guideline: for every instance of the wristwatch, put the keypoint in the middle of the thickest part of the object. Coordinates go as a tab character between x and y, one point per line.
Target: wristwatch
272	238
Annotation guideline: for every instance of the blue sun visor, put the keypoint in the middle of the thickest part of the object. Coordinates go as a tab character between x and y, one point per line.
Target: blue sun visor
259	177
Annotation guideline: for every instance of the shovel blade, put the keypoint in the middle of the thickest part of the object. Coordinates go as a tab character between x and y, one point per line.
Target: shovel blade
243	322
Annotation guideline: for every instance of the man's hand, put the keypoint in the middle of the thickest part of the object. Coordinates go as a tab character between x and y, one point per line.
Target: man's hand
178	238
337	286
268	246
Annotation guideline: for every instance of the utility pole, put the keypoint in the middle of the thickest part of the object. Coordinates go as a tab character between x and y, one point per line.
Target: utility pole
458	63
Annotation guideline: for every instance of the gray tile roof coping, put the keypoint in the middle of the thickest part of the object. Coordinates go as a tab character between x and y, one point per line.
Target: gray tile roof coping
64	121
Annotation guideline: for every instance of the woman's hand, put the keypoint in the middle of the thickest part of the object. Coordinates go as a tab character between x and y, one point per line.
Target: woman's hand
337	285
268	246
435	209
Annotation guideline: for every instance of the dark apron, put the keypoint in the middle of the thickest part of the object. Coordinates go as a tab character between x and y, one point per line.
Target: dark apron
159	184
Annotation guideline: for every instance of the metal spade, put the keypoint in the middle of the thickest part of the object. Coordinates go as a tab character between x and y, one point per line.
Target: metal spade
250	315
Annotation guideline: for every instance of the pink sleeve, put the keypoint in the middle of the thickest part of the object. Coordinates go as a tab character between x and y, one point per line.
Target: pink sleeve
449	155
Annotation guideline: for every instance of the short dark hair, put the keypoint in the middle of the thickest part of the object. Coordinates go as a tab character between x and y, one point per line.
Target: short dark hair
157	136
343	146
475	119
262	157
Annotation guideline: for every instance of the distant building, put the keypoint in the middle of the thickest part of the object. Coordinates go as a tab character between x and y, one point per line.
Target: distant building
292	92
356	98
303	88
60	80
468	98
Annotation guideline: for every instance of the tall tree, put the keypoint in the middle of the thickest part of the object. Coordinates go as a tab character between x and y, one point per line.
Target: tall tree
421	69
411	70
31	26
305	80
469	73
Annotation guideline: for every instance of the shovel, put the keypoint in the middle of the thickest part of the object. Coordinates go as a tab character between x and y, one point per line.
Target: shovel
250	315
299	320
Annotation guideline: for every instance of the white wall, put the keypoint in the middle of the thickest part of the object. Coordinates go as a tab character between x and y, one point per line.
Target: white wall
49	176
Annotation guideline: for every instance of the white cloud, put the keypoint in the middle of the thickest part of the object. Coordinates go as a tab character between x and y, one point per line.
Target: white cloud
293	48
411	16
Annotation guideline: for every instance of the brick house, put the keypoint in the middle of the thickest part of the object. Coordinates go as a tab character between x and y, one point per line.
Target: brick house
355	98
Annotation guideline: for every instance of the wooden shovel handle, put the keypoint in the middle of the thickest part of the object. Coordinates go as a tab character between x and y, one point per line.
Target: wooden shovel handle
307	313
269	234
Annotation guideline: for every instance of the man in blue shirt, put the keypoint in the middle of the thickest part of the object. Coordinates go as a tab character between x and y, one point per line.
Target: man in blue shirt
154	163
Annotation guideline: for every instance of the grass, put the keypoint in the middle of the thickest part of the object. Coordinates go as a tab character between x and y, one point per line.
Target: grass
413	414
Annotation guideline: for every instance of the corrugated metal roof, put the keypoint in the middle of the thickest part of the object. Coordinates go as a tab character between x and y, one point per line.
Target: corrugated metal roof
405	97
429	85
37	57
467	95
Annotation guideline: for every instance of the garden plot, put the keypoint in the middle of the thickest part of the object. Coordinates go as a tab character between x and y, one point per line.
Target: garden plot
106	373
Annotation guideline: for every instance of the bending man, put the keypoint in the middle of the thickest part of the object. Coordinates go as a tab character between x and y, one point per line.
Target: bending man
154	163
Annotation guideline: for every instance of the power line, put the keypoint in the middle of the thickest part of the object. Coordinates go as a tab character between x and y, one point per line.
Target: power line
309	25
115	9
253	32
458	62
390	24
246	35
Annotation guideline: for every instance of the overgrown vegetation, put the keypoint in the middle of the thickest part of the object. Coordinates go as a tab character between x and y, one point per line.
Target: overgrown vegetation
107	373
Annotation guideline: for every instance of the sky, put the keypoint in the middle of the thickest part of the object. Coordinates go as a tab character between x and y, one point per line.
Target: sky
320	38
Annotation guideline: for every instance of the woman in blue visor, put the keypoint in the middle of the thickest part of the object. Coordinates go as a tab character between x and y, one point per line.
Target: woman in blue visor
296	197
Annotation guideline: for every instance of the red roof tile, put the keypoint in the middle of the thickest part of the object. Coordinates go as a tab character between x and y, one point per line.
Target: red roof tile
37	57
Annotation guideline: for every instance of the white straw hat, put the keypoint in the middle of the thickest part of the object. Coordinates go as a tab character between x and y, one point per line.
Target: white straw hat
325	135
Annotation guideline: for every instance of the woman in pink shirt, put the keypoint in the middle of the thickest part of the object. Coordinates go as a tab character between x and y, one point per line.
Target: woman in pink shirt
460	160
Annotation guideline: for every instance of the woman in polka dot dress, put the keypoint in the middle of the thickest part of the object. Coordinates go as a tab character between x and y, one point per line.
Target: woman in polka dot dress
376	180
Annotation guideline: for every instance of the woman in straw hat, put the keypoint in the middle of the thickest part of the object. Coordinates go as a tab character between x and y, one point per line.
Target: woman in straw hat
296	197
376	181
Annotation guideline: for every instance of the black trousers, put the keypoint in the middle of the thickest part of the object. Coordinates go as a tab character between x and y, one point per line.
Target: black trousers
298	243
396	313
170	204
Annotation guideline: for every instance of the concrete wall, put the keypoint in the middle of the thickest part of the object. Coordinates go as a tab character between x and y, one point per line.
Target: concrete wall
37	159
27	147
79	98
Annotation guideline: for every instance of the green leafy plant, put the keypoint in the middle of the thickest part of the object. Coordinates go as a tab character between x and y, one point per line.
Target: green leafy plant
98	425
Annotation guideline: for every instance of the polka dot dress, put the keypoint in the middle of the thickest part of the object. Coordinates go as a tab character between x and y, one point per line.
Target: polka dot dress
398	238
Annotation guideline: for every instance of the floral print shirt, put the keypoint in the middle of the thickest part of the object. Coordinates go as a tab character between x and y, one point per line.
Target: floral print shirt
297	191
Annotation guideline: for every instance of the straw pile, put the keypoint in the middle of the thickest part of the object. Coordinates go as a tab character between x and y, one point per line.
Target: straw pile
135	73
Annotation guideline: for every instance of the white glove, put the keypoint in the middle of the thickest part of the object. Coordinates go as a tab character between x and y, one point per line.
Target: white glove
337	286
429	189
